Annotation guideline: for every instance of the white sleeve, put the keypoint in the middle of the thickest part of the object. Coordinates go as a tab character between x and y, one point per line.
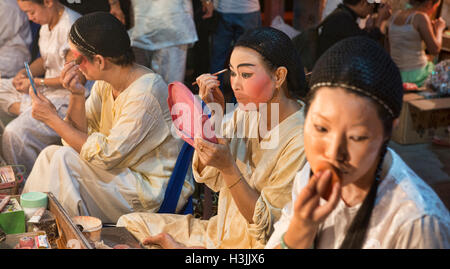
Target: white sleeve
281	226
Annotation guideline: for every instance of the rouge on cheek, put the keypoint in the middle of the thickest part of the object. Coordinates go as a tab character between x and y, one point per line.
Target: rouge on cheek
259	88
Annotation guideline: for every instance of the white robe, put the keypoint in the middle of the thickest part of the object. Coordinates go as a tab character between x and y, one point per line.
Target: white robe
407	213
268	166
127	160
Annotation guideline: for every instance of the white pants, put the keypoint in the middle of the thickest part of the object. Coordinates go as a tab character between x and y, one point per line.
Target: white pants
169	62
24	137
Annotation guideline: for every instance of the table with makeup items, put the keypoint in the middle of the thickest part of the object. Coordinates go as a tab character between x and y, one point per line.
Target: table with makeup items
37	220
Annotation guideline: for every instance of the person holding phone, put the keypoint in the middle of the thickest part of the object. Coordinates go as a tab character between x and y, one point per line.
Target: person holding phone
258	151
24	137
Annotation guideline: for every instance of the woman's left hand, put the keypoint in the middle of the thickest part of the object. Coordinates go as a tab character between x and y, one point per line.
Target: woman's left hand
42	109
215	155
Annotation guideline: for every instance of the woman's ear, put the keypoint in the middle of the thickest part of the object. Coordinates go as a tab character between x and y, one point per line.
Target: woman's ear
100	61
395	123
280	76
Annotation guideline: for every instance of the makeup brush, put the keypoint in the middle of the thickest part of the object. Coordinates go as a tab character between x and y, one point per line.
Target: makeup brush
215	74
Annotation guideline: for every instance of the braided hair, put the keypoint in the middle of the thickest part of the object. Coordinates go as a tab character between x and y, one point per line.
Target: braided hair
361	66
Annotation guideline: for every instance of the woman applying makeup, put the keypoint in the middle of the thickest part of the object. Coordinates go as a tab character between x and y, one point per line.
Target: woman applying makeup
252	166
118	152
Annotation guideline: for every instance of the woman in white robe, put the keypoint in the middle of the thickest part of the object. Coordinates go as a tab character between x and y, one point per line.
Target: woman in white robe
120	152
253	165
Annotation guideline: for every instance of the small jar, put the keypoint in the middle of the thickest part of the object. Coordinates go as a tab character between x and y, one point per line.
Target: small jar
32	201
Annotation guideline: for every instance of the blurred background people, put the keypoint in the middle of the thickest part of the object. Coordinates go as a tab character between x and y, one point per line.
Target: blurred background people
410	32
15	38
161	34
343	22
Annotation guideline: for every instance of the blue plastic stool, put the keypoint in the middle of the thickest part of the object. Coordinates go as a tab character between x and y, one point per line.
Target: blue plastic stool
176	182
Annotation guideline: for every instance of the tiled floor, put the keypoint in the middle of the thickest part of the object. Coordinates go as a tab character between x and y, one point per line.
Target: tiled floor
431	162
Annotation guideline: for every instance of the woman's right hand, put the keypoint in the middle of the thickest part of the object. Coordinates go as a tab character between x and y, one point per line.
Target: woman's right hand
308	214
70	79
209	90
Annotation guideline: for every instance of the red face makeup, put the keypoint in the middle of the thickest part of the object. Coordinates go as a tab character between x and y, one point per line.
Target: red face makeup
249	79
258	88
79	59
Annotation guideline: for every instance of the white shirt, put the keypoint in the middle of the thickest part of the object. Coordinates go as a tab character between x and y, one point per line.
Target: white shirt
407	213
162	23
15	38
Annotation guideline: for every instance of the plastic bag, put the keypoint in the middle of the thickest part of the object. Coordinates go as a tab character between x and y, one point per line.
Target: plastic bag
279	24
439	80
